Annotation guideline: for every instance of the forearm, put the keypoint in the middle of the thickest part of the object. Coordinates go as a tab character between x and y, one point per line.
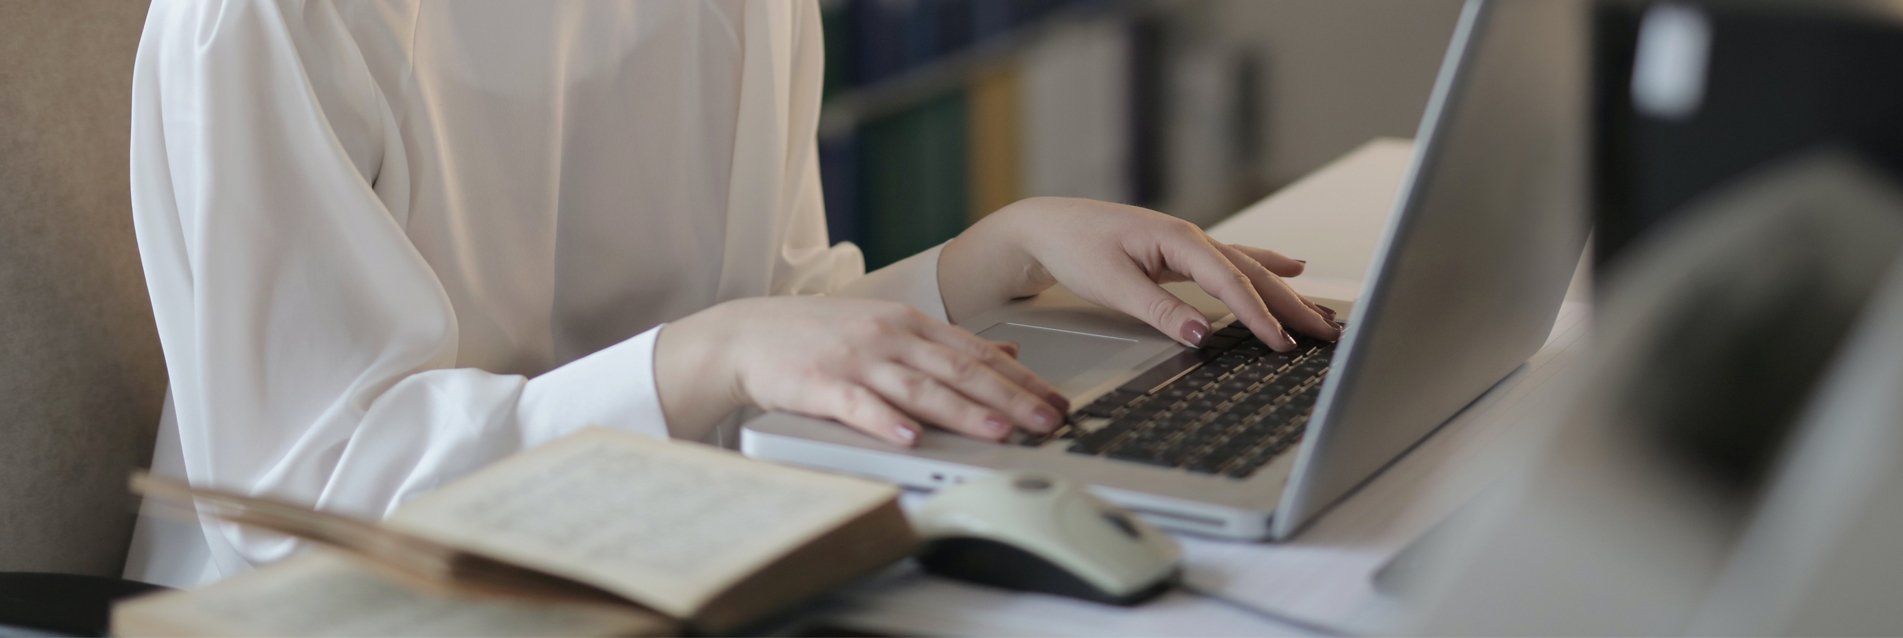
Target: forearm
988	265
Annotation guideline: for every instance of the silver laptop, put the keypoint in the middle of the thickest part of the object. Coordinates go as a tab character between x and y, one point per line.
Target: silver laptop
1234	440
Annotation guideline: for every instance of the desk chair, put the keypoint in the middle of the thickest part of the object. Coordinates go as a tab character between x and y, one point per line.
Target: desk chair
81	376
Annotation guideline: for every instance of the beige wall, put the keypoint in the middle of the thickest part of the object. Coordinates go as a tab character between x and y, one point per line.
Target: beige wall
81	377
1336	72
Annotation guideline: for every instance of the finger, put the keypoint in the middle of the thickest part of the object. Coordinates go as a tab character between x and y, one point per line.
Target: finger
1319	309
862	409
1278	263
1307	302
926	398
1009	348
1130	290
1199	258
1308	318
962	341
1281	265
985	385
1292	309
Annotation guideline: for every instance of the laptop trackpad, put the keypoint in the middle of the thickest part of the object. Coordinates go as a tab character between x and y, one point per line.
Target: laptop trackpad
1073	361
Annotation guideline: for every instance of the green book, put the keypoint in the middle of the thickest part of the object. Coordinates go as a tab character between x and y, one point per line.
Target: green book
916	179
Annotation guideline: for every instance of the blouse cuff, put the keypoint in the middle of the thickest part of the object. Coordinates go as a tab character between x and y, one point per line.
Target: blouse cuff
613	387
912	281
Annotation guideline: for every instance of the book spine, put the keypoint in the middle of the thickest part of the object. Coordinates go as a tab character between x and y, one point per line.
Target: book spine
1080	113
839	180
914	167
995	150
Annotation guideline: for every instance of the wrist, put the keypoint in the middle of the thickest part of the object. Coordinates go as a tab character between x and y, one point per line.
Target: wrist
694	374
989	264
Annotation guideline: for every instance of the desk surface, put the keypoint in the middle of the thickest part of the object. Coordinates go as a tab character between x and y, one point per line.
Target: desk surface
1334	219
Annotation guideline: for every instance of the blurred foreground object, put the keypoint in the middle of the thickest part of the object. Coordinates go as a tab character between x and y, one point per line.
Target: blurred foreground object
1730	460
1694	95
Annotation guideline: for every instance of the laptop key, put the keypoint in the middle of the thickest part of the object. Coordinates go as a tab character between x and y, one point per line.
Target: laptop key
1220	341
1237	408
1094	442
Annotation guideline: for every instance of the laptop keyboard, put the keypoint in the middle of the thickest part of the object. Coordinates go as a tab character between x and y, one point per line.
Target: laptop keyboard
1239	405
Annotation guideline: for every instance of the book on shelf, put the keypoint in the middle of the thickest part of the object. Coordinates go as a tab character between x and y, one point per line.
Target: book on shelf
994	144
601	533
1073	107
839	158
1076	113
912	170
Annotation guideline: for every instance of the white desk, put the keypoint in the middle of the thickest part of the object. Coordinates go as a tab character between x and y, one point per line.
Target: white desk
1333	218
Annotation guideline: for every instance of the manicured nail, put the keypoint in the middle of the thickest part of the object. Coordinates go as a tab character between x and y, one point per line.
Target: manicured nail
905	434
1327	312
1193	331
1289	337
1058	401
996	425
1301	261
1045	418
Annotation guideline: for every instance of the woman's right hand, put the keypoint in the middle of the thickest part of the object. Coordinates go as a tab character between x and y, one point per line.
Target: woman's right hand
876	366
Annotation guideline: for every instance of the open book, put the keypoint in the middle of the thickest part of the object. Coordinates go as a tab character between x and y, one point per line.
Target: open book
600	533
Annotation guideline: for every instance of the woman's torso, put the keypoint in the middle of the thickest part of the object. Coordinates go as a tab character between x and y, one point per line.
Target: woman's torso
567	163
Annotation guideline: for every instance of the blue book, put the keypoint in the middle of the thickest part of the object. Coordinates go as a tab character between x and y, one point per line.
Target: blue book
954	25
878	39
839	180
921	31
991	18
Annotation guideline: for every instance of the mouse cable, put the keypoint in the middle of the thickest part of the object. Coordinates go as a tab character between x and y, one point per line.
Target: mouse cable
1183	585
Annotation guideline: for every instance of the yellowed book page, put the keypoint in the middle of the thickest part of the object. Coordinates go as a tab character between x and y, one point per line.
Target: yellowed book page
324	594
994	141
669	525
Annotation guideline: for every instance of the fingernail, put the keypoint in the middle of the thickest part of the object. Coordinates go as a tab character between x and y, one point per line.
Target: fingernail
1045	418
904	434
1058	401
1301	261
1327	311
996	425
1289	337
1193	331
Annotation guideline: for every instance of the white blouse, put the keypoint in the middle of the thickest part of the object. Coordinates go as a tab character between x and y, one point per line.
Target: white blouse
391	241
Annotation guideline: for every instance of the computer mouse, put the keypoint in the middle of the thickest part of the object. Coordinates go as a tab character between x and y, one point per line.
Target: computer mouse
1041	533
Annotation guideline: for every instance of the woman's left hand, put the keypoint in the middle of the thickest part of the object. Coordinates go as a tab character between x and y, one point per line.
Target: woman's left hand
1117	256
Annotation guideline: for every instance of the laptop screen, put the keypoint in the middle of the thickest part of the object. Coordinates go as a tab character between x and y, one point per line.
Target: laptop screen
1476	262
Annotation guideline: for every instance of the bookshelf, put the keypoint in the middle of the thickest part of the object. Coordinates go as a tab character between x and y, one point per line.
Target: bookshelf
845	110
939	111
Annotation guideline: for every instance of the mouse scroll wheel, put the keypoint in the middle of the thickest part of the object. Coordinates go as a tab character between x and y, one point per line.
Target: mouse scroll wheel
1122	523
